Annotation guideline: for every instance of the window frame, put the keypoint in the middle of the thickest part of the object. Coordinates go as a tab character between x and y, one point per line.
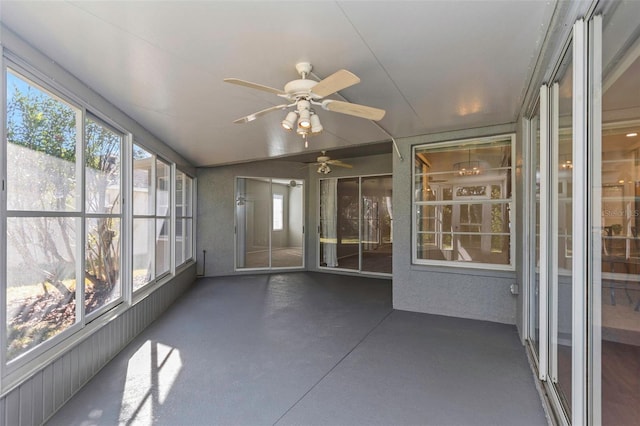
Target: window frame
125	140
22	363
186	217
484	200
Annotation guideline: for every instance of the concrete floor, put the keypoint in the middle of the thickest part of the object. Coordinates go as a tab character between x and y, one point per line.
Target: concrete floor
309	348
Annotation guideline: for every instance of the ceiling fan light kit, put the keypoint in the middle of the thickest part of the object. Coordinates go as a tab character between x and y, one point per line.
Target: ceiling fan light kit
290	120
324	169
316	126
303	93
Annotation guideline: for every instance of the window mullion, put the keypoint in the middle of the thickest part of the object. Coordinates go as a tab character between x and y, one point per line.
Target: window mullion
82	234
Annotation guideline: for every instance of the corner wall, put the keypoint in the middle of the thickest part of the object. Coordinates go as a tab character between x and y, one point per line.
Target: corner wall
460	292
217	207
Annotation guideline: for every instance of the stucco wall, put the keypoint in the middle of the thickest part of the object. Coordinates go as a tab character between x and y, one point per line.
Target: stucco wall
462	292
216	209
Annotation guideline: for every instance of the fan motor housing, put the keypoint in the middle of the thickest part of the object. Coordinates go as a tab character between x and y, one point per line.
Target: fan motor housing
300	88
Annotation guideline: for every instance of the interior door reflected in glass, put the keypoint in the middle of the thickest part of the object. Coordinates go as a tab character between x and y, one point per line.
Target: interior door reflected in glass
269	223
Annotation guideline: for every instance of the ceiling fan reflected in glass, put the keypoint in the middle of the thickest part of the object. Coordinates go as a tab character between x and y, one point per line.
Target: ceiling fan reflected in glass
303	94
324	162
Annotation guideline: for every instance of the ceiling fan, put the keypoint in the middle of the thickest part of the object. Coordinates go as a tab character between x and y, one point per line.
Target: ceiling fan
325	161
302	94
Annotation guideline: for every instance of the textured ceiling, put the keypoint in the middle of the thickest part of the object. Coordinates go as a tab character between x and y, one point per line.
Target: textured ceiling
432	65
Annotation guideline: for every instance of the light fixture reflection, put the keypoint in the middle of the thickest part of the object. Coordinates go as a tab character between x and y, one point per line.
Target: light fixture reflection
324	169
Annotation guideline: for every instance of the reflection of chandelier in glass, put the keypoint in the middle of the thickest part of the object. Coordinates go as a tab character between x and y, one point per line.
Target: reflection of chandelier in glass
565	162
467	168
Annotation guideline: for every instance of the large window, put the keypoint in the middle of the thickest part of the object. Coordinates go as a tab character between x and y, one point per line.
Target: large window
463	202
67	217
57	234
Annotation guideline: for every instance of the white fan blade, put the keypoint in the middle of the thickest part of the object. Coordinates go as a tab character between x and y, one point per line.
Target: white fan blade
356	110
254	86
340	164
255	115
334	83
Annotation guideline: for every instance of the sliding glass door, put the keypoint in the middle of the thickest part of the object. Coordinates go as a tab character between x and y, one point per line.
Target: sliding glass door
584	195
616	220
560	239
356	222
550	257
269	223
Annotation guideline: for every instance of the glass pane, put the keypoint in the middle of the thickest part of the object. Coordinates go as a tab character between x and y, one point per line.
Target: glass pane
348	233
188	196
143	250
102	168
427	218
42	135
286	242
474	228
253	205
377	223
188	239
102	262
179	242
329	223
534	255
143	199
620	216
163	188
41	280
562	168
163	248
340	222
179	194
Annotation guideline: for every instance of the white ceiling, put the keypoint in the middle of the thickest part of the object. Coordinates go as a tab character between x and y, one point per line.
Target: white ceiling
432	65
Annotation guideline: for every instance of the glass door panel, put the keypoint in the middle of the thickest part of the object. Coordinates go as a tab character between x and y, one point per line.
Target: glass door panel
287	223
269	223
534	255
617	265
377	224
561	233
340	223
348	225
328	223
253	199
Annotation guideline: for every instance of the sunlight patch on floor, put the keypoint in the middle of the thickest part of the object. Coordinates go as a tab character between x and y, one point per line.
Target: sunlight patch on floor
151	373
